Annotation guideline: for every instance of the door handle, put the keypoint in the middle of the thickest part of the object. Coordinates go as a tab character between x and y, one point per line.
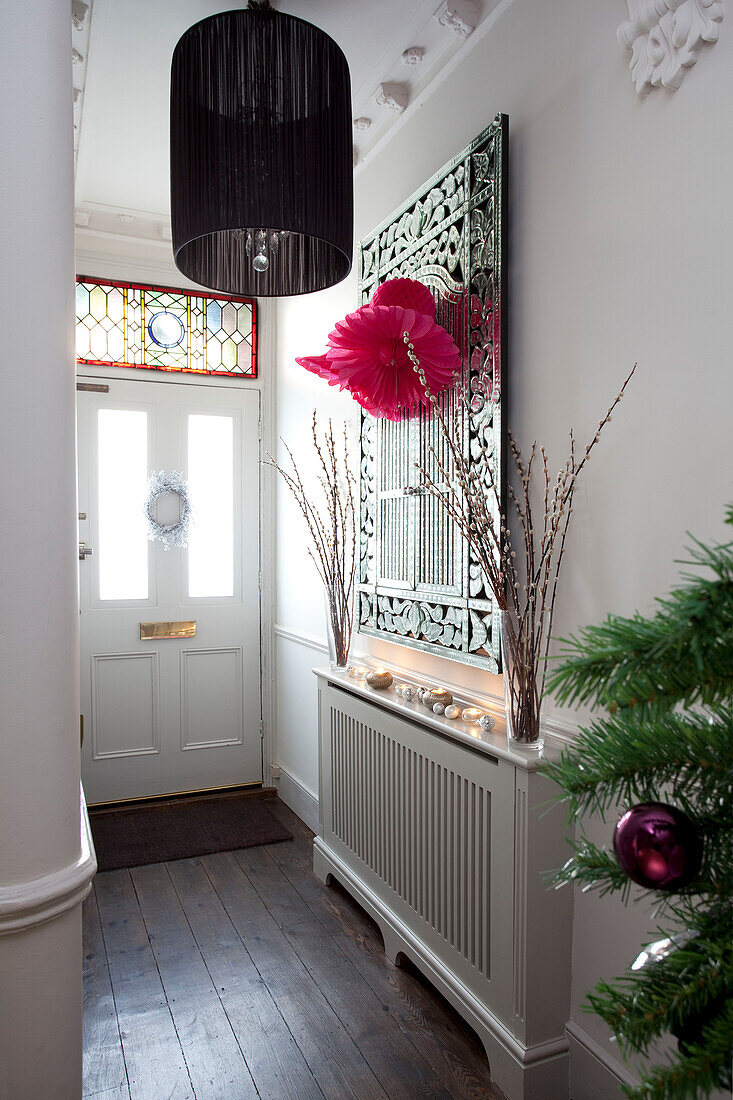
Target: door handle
84	551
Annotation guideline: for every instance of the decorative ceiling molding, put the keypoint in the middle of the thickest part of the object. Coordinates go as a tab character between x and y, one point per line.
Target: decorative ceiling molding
665	38
79	12
457	17
81	19
421	51
362	123
413	55
394	96
152	266
120	223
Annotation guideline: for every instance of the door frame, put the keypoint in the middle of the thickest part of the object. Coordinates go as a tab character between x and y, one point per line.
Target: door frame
266	384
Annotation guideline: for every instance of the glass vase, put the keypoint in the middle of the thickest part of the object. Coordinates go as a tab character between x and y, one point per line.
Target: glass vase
338	631
523	649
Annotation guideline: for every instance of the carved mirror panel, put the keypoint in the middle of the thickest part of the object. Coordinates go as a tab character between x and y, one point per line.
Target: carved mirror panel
418	583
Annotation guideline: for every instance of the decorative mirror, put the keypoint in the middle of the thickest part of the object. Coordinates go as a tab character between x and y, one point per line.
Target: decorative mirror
418	583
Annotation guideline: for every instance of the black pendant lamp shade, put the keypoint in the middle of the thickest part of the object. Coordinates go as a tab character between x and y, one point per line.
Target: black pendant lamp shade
261	155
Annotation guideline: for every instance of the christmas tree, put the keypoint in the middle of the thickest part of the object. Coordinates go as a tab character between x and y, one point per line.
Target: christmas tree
661	754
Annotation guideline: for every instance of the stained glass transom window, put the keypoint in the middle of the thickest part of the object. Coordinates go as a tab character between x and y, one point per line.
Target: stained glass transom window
159	328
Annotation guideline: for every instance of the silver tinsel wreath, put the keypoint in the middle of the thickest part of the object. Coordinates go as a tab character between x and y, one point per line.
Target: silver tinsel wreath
170	534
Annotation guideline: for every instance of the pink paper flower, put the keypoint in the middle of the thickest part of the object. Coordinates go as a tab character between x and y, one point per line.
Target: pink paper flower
367	354
404	292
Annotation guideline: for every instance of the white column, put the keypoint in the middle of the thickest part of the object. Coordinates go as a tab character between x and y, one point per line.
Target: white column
44	866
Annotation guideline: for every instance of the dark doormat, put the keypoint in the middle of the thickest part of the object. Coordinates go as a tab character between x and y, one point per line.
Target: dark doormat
179	830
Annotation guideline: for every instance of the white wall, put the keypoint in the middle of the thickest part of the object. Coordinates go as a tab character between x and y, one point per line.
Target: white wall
620	233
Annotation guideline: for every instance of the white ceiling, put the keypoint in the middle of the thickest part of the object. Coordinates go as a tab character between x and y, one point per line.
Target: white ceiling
122	70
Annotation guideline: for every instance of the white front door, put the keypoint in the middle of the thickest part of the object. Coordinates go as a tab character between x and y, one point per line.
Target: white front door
167	714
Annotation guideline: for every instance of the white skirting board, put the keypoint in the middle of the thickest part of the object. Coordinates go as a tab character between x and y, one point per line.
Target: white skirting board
298	798
592	1076
596	1075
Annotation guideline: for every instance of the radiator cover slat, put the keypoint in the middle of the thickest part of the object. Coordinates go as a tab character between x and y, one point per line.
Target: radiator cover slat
392	800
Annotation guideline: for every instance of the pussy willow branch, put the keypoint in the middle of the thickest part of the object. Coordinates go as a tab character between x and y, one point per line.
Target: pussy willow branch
472	500
331	524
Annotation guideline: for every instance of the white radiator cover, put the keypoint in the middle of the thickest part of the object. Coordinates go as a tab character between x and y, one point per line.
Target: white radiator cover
444	842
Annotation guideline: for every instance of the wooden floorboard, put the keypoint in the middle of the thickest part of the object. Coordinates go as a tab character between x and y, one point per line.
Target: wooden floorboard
122	1092
443	1038
215	1062
104	1071
400	1069
335	1061
274	1059
240	975
153	1054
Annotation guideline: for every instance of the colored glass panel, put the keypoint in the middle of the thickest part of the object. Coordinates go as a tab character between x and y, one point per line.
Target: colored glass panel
219	334
213	317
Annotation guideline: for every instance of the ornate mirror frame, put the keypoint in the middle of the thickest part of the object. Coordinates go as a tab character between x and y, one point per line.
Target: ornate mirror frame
418	583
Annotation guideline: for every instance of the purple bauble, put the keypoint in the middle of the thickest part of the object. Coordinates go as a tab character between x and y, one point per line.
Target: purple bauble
658	846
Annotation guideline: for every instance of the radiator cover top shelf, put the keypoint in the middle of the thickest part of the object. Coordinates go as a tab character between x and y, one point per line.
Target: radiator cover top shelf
492	742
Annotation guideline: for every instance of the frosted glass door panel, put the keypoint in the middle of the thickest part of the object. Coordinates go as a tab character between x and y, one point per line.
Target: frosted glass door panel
122	479
211	488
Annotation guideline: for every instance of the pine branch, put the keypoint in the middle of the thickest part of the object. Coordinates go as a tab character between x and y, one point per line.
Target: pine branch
685	993
704	1067
668	995
668	683
629	756
593	868
628	759
684	654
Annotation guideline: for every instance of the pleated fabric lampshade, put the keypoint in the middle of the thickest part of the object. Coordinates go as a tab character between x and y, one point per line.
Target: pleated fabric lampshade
261	155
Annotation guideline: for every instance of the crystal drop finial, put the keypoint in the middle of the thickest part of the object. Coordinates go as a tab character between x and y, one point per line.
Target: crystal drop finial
261	261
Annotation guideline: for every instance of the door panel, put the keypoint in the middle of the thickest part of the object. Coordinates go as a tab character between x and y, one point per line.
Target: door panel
211	697
125	705
169	714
